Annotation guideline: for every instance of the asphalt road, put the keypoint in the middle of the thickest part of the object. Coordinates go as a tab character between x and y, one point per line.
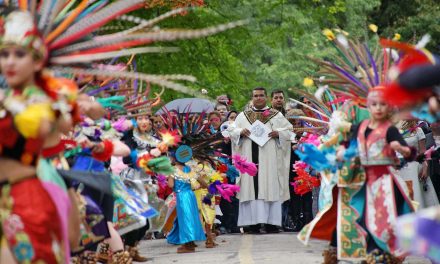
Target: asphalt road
245	249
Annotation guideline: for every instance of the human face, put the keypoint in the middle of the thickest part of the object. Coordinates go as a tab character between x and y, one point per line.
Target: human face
307	102
144	123
378	108
19	67
259	99
232	116
278	101
157	123
222	110
215	121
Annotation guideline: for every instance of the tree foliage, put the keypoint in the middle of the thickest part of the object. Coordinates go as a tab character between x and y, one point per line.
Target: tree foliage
272	49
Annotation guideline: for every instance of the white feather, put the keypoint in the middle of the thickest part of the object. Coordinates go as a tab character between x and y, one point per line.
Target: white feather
343	40
422	43
320	92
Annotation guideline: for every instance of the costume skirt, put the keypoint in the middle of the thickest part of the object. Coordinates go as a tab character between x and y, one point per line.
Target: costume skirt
187	226
30	223
385	196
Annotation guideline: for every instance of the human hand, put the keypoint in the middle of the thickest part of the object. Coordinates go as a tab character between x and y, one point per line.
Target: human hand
245	133
396	146
340	153
274	134
98	148
423	174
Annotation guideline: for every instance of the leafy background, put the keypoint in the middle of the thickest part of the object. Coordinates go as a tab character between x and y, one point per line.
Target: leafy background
270	50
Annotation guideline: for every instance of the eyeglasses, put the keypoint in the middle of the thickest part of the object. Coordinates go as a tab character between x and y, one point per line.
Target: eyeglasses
214	119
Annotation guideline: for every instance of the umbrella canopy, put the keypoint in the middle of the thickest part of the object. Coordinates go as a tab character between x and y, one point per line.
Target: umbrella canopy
192	105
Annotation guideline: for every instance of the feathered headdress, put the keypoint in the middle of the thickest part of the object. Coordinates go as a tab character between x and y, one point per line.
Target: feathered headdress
195	142
355	70
411	56
64	33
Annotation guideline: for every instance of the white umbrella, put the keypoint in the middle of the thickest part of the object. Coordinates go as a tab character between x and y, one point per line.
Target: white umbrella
185	105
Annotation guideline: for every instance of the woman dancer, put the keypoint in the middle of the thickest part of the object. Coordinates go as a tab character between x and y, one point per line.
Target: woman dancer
140	139
32	228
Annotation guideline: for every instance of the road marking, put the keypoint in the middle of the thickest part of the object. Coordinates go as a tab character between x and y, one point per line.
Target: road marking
245	252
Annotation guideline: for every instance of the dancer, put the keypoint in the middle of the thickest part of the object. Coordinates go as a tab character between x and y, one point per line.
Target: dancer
383	196
140	139
33	230
187	228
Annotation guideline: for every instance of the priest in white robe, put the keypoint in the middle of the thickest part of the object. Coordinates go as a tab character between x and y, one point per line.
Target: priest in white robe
261	196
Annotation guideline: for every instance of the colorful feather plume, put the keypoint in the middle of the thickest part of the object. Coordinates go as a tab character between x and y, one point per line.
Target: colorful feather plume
227	190
304	182
170	138
243	166
355	70
411	57
69	30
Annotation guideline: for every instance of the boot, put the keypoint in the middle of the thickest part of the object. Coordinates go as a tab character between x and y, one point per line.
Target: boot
103	254
120	257
134	254
209	237
330	256
186	248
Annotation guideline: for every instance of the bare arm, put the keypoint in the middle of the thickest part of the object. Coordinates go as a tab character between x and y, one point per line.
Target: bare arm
120	149
92	109
171	182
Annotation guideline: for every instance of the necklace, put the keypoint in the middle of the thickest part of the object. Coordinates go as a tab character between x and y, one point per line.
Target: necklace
189	177
145	140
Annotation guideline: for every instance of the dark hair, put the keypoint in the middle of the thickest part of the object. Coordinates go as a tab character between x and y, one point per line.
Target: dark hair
220	104
260	89
276	91
214	113
229	114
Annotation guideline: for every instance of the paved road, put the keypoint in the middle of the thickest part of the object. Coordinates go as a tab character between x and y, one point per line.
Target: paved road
245	249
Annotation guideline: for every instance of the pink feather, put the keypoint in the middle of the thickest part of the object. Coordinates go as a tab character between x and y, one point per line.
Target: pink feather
227	190
243	166
120	125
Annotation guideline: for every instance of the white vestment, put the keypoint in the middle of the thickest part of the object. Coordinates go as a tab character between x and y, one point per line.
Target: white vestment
273	171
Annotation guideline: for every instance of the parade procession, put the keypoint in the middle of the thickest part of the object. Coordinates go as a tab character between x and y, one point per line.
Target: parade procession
137	131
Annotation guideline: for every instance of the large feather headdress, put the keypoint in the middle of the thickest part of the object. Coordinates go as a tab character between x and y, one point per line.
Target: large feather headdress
67	33
357	68
192	129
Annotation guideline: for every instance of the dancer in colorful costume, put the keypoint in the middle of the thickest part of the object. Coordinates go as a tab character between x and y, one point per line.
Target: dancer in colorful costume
412	89
196	148
384	196
348	83
32	228
139	140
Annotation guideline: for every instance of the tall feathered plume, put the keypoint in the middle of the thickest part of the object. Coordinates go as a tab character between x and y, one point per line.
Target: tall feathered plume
193	131
69	29
355	70
313	117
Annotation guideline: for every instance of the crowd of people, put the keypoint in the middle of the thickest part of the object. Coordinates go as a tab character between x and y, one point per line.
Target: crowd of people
87	173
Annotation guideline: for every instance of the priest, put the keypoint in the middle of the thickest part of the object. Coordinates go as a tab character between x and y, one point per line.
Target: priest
261	195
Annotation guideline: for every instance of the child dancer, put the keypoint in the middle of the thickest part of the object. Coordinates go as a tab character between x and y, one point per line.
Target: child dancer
187	227
383	196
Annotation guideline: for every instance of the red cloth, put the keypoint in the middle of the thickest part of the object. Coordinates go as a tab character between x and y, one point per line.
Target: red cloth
32	229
